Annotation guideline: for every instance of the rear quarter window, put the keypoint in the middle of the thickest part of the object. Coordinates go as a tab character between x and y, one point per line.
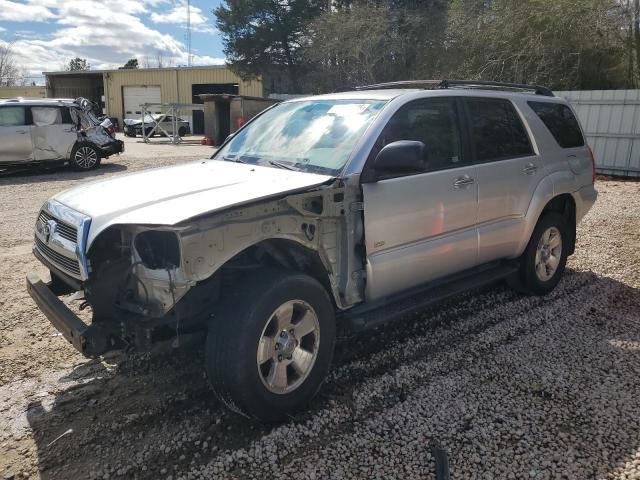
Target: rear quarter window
561	122
497	132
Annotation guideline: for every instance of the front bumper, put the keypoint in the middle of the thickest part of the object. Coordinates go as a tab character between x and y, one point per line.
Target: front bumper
90	340
117	146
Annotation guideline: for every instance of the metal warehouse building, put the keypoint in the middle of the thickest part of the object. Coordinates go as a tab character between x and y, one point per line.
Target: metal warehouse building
121	92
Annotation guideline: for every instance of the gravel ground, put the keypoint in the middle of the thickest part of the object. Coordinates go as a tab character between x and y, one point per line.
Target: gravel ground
510	386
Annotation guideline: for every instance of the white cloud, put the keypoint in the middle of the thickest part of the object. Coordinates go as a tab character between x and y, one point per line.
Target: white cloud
21	12
106	33
178	15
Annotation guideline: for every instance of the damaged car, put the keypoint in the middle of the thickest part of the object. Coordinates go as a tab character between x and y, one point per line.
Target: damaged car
340	211
54	130
156	124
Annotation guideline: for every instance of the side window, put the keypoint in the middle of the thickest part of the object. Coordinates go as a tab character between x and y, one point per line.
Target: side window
496	130
43	116
66	116
433	122
561	122
13	116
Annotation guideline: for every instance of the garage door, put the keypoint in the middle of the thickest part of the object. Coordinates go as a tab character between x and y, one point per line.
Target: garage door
133	97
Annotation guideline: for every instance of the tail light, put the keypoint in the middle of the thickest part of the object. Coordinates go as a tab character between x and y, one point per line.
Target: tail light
593	167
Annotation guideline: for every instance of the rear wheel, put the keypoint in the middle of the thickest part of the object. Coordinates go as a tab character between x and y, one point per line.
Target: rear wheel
267	357
84	157
545	257
182	131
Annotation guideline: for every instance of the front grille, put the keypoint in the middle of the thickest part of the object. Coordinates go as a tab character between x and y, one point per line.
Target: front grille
66	231
67	264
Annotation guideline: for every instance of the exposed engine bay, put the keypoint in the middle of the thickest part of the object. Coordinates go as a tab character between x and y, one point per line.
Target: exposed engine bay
153	283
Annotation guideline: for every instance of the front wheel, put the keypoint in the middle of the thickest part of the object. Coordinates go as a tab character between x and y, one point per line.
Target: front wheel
270	348
84	157
545	257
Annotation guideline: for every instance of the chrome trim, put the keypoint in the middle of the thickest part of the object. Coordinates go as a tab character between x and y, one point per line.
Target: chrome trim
63	246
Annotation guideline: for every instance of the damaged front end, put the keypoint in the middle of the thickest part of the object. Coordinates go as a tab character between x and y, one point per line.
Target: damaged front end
150	284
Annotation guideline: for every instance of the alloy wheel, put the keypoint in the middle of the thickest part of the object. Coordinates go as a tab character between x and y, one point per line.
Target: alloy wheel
548	254
86	158
288	346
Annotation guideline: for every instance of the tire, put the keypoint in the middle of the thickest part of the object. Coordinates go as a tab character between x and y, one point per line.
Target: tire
148	131
182	131
244	373
85	157
544	260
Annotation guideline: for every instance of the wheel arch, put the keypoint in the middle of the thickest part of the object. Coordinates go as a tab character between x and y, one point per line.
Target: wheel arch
546	198
287	254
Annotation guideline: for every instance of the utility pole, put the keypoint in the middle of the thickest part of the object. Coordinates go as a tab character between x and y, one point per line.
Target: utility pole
189	32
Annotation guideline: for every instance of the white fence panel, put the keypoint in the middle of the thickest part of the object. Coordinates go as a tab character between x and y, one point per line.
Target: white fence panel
611	121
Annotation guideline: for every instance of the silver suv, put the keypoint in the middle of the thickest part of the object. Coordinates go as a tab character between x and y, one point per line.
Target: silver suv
54	130
344	210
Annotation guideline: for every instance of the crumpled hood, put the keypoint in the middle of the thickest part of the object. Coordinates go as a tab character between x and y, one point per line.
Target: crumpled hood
167	196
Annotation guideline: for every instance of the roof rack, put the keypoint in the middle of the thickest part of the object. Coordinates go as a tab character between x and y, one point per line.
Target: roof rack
443	84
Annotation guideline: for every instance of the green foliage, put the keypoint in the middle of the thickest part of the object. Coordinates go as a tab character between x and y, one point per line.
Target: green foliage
131	64
266	36
78	64
564	44
560	43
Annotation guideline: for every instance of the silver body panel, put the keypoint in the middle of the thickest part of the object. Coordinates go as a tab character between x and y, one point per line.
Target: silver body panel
15	144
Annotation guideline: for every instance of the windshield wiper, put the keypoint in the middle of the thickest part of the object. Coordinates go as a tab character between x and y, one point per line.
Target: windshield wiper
283	165
236	159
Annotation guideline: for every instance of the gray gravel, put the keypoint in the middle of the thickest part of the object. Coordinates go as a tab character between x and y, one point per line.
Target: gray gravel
511	386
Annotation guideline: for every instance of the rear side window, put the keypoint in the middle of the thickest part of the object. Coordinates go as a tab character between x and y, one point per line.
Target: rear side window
561	122
496	130
43	116
13	116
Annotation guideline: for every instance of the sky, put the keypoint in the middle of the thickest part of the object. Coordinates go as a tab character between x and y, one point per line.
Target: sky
46	34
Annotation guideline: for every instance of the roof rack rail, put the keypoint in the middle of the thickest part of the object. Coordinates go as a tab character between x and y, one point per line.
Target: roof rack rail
441	84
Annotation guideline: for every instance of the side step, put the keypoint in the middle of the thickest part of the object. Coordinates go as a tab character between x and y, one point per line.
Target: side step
372	315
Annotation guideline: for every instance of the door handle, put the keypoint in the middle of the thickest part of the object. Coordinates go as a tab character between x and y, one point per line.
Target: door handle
461	182
529	168
21	132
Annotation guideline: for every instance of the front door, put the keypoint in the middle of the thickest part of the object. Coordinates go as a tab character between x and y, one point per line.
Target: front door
422	226
508	172
15	135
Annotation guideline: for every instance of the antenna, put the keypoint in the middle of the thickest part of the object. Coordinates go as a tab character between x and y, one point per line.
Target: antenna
189	32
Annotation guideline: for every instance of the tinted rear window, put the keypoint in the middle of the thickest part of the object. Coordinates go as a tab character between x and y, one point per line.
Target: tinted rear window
561	122
496	130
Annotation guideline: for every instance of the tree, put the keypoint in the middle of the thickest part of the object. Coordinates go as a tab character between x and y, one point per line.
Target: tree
266	36
131	64
10	73
77	64
368	42
565	44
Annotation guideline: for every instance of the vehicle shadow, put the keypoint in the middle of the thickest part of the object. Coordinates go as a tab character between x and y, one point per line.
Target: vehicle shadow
148	416
39	173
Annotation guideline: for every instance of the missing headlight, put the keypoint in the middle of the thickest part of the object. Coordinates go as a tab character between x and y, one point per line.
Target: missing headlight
158	249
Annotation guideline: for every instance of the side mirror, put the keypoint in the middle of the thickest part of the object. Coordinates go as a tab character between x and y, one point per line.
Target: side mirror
403	156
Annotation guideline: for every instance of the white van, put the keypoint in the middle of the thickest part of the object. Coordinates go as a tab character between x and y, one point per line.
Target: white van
54	130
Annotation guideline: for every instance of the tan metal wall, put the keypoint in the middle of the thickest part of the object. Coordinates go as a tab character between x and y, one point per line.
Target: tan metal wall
175	84
12	92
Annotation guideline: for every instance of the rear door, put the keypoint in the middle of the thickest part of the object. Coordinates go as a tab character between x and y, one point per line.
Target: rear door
421	226
15	135
53	133
508	171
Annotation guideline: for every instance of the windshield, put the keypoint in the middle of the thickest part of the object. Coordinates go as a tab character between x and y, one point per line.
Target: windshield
314	136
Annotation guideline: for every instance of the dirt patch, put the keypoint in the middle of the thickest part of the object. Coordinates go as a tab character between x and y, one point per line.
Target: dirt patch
511	386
